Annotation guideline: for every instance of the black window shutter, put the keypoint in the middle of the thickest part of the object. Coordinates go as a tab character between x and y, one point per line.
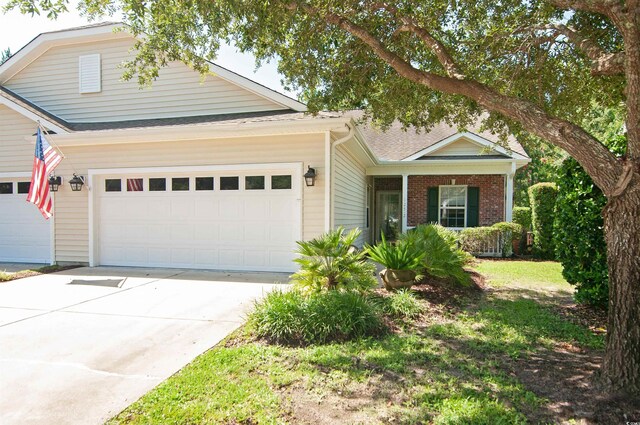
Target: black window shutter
432	205
473	206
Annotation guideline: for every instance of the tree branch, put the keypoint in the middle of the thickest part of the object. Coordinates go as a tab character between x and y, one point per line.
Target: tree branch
609	8
444	57
603	63
599	162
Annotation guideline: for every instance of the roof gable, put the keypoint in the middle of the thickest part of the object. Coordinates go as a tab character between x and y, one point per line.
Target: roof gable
464	144
45	72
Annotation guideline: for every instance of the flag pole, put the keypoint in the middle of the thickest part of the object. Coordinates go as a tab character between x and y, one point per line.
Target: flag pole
50	139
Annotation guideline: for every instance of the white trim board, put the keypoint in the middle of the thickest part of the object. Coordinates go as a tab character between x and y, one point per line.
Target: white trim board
16	175
472	137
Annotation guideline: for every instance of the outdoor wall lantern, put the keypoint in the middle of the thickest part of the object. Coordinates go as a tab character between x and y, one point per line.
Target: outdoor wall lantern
54	183
76	183
310	176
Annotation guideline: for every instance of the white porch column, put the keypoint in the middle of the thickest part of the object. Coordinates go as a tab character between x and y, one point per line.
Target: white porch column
508	206
405	200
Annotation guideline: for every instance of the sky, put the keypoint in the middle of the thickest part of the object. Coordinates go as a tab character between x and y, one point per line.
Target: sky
16	30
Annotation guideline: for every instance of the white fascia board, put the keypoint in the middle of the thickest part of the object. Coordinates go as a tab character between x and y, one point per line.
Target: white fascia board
195	132
43	42
443	167
31	115
363	144
464	135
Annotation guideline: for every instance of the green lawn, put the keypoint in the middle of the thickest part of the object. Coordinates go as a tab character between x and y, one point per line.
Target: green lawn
543	275
452	366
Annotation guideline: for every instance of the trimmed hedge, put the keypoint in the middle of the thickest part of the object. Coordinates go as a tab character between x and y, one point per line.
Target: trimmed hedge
579	235
522	216
542	197
476	240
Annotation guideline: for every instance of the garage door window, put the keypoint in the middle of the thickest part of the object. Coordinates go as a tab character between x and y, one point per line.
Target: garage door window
135	185
229	183
280	182
180	184
254	182
23	187
112	185
6	188
157	185
204	183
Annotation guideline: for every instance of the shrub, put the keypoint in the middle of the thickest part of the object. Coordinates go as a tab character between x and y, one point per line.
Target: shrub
510	232
522	216
401	304
295	318
398	256
542	197
479	240
442	257
579	236
482	240
329	262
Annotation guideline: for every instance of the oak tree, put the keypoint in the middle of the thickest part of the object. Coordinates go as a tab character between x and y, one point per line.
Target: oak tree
533	66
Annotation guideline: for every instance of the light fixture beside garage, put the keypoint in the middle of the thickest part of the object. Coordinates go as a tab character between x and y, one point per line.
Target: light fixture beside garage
54	183
310	176
76	183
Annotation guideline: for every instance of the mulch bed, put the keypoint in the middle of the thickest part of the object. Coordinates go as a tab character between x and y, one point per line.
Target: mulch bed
29	273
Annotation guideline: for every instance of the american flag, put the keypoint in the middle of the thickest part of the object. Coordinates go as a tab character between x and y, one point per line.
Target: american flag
45	160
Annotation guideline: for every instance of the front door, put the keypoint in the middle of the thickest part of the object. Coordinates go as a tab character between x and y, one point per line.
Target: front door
388	214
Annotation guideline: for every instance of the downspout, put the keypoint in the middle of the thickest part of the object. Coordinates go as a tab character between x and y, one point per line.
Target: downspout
329	190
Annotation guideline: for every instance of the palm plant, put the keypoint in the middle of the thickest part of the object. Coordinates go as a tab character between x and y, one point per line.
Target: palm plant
442	258
330	262
398	256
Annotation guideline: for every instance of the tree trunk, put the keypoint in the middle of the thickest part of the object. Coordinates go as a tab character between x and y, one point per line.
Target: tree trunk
621	369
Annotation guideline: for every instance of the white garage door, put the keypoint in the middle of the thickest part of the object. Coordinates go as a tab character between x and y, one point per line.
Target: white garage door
211	219
25	236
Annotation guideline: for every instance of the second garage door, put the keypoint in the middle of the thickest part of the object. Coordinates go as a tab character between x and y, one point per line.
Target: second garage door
219	219
24	234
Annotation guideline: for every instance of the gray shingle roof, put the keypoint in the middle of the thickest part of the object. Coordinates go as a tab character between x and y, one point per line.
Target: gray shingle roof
392	144
396	143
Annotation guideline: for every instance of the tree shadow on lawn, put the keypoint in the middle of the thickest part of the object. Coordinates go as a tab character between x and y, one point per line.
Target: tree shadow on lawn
509	358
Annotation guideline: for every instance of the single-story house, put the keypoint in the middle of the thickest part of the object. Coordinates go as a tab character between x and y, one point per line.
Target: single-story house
209	173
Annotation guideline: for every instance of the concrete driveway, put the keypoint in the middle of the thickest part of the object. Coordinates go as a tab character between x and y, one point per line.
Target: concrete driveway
77	347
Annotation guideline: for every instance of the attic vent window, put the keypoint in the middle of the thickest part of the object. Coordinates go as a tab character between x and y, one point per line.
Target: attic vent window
90	74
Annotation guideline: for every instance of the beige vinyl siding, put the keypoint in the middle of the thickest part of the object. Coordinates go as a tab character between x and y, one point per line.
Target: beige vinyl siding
52	82
71	210
349	192
460	147
16	151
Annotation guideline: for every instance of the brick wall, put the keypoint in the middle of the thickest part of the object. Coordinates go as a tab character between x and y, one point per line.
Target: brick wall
491	196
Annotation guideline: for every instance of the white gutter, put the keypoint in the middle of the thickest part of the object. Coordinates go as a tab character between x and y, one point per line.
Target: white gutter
453	161
196	132
329	191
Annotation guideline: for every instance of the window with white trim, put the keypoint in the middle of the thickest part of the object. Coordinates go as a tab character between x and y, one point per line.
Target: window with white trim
453	206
